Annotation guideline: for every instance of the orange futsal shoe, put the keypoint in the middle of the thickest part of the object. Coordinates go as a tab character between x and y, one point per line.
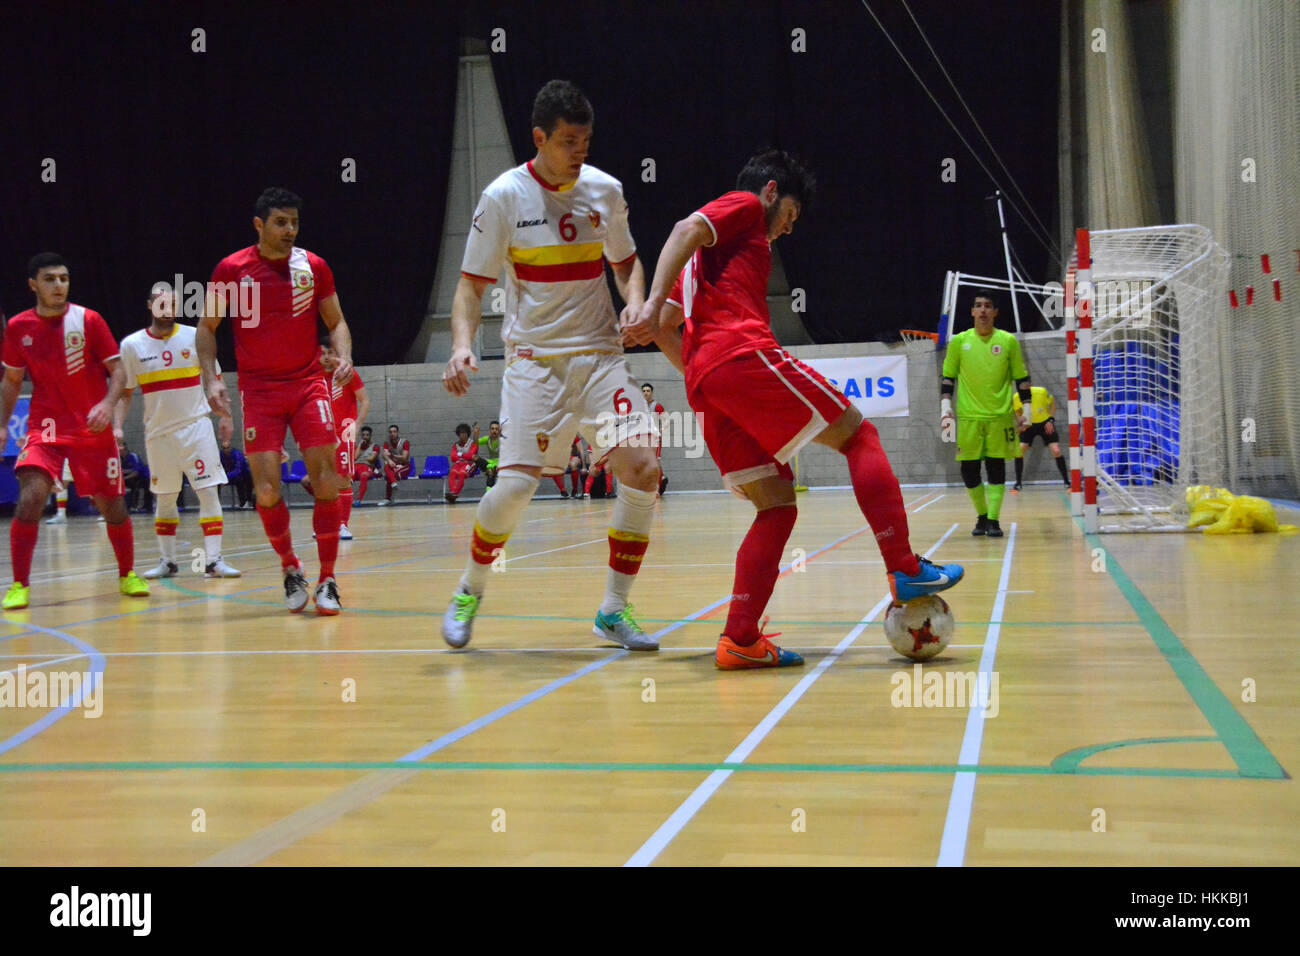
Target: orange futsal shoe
731	656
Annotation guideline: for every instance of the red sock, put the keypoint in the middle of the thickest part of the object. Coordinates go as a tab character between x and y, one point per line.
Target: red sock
325	522
559	482
365	480
276	522
758	563
345	505
880	498
22	545
575	479
591	476
122	537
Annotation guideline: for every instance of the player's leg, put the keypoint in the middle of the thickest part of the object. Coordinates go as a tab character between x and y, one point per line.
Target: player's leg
1000	443
532	405
313	427
575	474
61	498
970	452
266	422
456	480
616	423
165	467
362	475
1052	440
97	468
196	447
35	472
1020	463
345	456
880	499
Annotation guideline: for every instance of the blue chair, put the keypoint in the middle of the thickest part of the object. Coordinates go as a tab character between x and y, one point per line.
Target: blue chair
284	472
436	466
296	473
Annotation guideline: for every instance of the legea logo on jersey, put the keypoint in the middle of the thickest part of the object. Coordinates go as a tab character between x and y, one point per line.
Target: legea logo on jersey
683	430
242	299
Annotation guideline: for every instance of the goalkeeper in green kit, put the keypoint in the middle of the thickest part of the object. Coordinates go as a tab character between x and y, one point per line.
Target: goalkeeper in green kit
982	364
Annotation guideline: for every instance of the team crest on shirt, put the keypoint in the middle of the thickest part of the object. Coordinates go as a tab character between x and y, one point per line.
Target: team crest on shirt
997	350
250	433
593	217
543	440
185	353
27	340
154	480
74	340
302	279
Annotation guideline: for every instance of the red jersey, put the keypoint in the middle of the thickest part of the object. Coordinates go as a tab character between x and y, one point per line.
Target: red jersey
276	342
723	289
465	452
343	402
65	356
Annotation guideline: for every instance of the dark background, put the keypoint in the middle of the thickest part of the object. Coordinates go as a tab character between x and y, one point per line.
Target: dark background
161	151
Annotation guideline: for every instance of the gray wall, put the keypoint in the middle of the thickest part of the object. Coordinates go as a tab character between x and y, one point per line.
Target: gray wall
412	397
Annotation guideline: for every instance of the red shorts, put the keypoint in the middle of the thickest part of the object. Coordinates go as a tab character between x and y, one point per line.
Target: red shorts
96	468
759	409
271	409
344	458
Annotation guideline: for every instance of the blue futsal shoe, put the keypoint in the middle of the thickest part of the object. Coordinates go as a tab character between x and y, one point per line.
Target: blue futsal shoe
931	579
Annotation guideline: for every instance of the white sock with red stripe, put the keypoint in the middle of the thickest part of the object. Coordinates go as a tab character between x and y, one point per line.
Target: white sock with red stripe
165	519
210	520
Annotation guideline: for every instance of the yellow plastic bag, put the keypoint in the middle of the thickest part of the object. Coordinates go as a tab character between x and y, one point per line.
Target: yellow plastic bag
1218	511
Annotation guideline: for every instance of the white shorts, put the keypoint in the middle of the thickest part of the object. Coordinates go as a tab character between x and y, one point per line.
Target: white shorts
190	450
546	401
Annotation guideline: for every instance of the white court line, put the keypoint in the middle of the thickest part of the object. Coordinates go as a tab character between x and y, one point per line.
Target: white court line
952	848
660	839
928	503
296	651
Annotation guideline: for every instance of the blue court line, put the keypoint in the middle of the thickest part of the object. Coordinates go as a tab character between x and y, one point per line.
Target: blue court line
97	664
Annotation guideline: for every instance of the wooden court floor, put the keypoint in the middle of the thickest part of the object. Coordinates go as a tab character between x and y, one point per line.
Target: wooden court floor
1144	709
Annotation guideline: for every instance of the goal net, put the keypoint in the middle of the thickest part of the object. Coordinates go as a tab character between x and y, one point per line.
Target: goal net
1144	308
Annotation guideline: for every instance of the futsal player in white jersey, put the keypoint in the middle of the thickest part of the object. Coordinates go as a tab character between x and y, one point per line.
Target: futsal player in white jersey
164	362
551	224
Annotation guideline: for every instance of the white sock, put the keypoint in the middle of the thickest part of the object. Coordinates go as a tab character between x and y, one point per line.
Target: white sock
165	511
209	508
634	511
498	513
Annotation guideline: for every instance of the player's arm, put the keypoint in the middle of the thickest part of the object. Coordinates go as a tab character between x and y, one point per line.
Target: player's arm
120	411
466	313
205	343
629	277
669	335
340	336
1023	386
9	388
363	409
688	235
101	416
947	385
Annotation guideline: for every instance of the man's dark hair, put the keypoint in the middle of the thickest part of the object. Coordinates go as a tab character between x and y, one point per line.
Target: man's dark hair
984	295
464	427
560	100
647	385
493	422
44	260
273	197
791	178
366	428
394	426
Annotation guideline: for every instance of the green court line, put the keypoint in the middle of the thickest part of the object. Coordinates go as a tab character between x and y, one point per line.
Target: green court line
606	767
1069	761
1248	752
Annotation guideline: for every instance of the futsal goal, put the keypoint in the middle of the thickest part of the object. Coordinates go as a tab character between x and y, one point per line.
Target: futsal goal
1144	311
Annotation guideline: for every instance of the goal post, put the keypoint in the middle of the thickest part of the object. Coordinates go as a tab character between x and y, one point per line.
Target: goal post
1144	309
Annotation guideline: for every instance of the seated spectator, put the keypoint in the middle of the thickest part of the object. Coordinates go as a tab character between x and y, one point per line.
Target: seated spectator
489	451
135	479
367	463
237	472
464	464
579	458
396	457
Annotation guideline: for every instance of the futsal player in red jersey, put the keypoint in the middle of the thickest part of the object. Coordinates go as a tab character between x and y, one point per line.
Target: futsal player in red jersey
77	379
350	404
720	257
274	292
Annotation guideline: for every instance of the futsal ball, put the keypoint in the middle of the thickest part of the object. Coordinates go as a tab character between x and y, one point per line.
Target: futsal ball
919	629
